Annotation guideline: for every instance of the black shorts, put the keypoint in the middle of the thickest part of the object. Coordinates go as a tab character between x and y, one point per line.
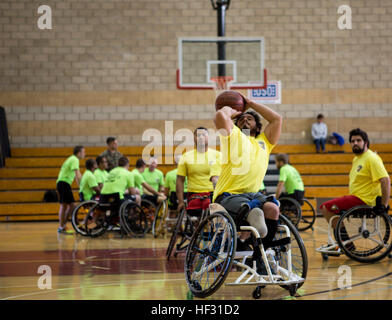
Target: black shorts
151	198
297	195
65	192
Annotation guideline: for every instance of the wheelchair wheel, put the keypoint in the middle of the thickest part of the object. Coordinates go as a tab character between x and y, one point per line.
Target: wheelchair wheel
308	216
158	226
178	229
299	257
290	208
210	254
149	209
132	219
79	216
363	235
96	222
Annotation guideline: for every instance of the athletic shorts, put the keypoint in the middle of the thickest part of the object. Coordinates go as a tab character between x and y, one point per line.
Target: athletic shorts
344	203
232	202
65	192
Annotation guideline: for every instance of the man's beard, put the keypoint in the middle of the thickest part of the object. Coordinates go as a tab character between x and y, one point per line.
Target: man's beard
358	150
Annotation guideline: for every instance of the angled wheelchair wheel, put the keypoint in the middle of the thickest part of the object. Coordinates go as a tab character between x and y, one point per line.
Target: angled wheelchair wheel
210	254
96	222
363	235
308	216
158	226
149	209
133	219
290	208
178	230
80	216
299	257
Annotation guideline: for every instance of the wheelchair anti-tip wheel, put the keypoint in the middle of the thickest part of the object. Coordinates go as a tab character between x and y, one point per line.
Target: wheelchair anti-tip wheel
363	235
133	219
308	216
80	215
290	208
210	254
158	226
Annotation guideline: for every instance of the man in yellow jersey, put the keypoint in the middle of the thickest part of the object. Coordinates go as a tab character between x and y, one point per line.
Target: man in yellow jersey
368	180
68	172
201	166
289	178
245	157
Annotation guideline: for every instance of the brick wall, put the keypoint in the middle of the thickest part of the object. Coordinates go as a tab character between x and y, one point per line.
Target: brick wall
108	66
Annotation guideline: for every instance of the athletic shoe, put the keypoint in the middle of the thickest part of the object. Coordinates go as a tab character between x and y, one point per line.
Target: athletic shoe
65	231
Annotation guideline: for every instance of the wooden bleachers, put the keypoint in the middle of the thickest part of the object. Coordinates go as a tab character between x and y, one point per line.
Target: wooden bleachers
31	171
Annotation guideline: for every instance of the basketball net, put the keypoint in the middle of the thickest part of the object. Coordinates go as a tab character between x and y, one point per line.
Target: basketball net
221	83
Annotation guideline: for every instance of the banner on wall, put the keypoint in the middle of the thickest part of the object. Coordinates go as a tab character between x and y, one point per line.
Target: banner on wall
271	95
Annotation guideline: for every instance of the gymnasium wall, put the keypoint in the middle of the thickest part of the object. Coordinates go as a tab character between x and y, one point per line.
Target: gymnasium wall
107	67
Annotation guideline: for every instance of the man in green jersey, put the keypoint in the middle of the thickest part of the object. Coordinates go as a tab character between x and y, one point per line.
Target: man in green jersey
141	183
120	180
170	186
154	177
101	172
68	172
88	184
289	178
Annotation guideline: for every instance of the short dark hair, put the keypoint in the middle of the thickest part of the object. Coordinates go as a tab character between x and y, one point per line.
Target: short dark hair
77	149
361	133
200	128
320	116
259	125
110	140
123	161
99	159
282	157
140	163
90	164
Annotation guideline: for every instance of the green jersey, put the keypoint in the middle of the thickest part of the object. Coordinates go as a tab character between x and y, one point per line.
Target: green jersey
118	180
291	178
171	180
100	175
87	183
139	179
154	179
262	187
67	171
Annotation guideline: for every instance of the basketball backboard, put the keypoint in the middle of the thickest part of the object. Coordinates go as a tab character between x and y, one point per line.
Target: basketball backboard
203	60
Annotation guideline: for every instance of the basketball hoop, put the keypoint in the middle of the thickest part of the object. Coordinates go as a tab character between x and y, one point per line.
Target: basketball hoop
221	83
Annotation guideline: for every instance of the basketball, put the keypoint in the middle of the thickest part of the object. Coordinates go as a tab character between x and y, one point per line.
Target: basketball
230	98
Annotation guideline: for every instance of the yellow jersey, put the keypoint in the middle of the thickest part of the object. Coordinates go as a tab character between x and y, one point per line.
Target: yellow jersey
199	167
244	162
365	174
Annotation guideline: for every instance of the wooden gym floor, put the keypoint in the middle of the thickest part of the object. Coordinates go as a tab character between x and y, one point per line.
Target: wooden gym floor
136	269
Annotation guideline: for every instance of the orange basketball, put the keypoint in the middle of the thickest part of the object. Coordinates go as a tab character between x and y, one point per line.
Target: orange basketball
230	99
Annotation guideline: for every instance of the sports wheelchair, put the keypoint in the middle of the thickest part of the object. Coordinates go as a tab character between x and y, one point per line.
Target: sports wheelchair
187	222
362	233
211	255
302	216
93	218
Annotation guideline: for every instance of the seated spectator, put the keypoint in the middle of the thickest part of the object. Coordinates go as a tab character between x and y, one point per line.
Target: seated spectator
100	173
170	186
111	153
141	183
120	180
289	178
319	133
154	177
88	184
